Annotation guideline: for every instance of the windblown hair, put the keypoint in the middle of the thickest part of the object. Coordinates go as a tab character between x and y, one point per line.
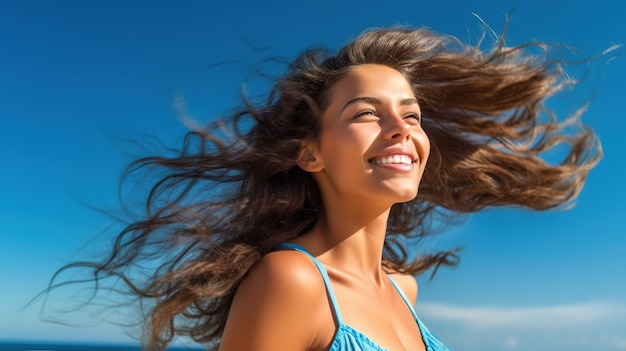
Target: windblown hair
228	198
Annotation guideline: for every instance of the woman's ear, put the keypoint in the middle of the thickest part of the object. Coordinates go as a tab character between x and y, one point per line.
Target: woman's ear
308	159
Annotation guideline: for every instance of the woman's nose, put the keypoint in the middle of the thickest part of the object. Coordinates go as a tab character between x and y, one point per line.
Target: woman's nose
396	127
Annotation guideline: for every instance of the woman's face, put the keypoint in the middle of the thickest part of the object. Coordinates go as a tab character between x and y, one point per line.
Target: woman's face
371	144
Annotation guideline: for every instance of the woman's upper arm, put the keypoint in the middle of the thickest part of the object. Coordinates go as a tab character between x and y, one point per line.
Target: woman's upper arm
273	306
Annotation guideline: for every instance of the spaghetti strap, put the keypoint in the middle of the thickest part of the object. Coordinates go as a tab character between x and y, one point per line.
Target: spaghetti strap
322	270
430	340
406	299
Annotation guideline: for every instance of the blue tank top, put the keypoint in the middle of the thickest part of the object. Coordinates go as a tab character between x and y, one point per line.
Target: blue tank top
349	339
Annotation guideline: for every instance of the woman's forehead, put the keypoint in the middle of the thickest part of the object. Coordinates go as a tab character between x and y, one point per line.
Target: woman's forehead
373	81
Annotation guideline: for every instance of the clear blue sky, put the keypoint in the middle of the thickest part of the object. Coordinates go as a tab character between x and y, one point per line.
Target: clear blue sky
78	78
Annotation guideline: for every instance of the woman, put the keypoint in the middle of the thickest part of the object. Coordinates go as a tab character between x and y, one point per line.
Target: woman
287	231
370	154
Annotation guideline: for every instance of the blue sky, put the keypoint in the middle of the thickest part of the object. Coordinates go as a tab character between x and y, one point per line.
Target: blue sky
78	79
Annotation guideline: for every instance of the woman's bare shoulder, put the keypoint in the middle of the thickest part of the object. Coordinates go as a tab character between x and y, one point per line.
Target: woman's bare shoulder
408	284
287	272
282	292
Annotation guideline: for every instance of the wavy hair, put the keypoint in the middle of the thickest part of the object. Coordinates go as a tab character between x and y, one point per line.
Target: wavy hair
234	191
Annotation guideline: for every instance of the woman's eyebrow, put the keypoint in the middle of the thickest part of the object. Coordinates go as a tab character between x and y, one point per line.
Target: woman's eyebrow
375	101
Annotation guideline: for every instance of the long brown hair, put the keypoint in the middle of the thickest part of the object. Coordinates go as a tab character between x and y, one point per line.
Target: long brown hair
234	191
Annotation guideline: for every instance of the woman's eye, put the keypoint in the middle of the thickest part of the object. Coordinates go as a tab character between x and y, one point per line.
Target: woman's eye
414	116
365	113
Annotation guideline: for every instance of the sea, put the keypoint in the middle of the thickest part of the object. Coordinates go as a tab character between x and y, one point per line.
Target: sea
57	346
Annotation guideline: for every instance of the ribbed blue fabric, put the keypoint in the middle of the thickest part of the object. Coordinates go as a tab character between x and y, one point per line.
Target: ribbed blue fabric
349	339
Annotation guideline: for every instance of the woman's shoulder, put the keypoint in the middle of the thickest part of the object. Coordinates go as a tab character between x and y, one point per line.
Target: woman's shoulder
282	291
286	269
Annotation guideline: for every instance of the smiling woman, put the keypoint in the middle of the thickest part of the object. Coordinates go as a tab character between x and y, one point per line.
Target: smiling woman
303	248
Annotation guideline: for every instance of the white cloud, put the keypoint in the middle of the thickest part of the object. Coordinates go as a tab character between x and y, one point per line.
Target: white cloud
529	318
585	326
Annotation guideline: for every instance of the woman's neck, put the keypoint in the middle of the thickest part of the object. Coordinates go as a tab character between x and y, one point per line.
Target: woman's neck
350	238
